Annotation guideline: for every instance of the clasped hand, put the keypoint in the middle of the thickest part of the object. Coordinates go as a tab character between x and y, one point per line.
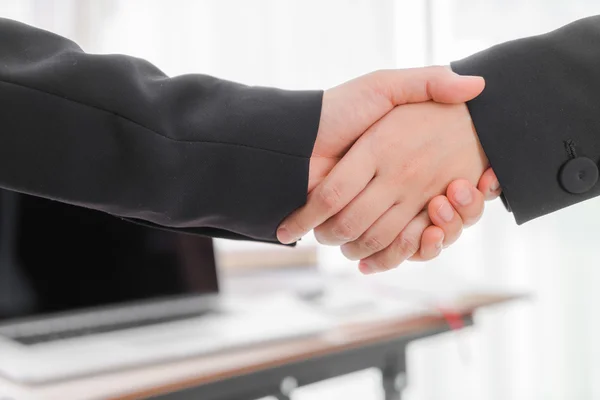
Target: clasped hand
394	168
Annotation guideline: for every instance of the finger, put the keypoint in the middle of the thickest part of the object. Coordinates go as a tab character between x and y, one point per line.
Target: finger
383	232
466	200
437	83
362	212
432	243
347	179
318	170
489	185
443	215
404	246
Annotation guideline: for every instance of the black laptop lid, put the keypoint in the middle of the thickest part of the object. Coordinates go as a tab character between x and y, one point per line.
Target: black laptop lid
56	257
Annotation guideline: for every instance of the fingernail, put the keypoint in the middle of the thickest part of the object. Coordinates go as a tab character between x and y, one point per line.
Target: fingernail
495	186
439	245
463	196
470	77
446	212
284	236
366	268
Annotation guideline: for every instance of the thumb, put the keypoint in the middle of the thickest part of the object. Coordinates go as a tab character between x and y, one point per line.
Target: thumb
437	83
351	108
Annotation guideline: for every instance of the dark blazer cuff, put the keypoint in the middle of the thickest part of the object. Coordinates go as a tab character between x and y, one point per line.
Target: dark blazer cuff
255	187
208	232
537	117
505	202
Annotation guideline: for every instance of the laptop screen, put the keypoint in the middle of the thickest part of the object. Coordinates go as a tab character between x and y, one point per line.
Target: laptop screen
56	257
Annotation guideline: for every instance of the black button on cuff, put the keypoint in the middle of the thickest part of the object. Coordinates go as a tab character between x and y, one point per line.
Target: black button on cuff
578	175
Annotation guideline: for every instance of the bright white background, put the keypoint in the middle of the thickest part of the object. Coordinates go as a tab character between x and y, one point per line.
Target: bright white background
542	349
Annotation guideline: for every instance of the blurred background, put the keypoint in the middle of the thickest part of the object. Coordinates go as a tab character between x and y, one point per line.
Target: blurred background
544	348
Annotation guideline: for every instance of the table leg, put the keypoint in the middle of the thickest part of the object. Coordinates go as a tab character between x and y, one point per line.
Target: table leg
286	387
394	377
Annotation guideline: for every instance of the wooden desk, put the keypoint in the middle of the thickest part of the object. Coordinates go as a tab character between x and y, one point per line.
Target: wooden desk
269	370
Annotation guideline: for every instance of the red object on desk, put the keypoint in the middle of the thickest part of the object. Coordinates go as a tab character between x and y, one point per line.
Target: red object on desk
453	319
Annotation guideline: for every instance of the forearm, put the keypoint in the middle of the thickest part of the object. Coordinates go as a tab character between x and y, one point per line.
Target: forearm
114	133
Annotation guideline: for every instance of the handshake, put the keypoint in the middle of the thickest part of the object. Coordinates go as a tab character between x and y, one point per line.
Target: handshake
397	169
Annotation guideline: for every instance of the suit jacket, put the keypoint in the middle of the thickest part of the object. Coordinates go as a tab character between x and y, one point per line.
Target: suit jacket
114	133
538	118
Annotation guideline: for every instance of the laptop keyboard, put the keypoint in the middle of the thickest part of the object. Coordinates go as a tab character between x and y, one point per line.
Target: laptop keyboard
32	339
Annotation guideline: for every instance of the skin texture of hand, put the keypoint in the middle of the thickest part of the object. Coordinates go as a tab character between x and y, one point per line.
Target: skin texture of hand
447	215
461	207
351	109
408	157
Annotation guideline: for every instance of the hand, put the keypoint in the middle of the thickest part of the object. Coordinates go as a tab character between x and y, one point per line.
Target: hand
408	157
461	207
351	109
446	217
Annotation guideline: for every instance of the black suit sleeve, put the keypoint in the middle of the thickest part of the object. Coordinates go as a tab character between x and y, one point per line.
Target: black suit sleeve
538	118
113	133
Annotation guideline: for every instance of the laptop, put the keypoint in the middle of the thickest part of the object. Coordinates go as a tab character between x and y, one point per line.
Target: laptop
82	292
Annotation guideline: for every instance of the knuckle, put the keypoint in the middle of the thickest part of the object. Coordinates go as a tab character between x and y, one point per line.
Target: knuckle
406	245
382	266
344	230
329	197
296	225
373	244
